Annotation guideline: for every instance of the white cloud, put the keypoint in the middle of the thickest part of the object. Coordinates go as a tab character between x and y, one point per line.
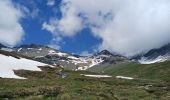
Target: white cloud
86	53
127	27
69	25
35	13
55	46
50	2
49	27
56	42
11	31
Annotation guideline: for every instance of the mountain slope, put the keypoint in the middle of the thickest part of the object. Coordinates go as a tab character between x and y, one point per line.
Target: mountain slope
2	46
68	61
156	71
109	59
155	55
5	48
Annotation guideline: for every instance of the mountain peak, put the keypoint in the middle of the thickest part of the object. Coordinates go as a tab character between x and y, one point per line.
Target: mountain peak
104	52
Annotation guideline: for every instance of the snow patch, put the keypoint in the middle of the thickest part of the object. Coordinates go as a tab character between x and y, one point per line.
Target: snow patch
83	68
51	52
89	62
40	49
96	76
123	77
95	62
157	60
29	48
19	49
61	54
39	56
72	57
8	64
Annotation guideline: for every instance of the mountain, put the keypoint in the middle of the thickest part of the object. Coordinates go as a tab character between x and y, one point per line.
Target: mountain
2	46
108	59
104	52
54	57
34	50
155	55
5	48
29	57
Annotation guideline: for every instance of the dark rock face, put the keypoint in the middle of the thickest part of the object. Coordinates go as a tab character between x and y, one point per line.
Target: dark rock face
52	59
158	52
155	53
2	46
104	52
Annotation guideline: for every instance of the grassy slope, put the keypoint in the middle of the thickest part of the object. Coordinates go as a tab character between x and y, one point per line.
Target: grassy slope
157	71
48	85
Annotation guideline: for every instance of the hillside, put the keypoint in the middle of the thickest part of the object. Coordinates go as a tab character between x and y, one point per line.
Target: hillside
156	71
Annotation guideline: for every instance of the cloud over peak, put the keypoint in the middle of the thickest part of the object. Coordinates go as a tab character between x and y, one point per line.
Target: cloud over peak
127	27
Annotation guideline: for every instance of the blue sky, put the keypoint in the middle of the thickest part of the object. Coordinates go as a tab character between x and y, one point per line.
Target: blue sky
34	34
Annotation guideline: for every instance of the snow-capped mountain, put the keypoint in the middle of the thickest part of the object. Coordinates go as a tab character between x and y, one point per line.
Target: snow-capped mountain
109	57
69	61
155	55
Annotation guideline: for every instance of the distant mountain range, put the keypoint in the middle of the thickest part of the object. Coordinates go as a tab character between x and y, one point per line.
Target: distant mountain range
98	62
70	61
67	60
